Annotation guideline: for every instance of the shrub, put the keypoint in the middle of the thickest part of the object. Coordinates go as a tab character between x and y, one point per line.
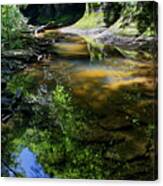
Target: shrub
13	23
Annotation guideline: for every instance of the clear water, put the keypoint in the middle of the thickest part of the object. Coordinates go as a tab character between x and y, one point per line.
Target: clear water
95	82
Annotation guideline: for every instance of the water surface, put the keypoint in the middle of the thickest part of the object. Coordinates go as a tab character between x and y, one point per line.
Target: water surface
119	88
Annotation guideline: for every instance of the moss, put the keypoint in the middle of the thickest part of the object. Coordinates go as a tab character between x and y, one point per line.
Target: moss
129	30
92	20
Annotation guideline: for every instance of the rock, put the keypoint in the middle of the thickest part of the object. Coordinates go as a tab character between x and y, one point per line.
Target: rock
21	54
125	42
10	65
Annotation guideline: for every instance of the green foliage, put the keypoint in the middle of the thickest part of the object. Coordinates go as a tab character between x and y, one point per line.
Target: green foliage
112	12
92	7
95	49
144	14
92	20
147	18
132	18
53	132
22	83
70	159
63	108
69	120
12	24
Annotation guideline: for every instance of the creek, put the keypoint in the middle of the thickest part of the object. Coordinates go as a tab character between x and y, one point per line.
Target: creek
118	86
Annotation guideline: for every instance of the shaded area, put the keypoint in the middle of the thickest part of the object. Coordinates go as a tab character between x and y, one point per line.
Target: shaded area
53	15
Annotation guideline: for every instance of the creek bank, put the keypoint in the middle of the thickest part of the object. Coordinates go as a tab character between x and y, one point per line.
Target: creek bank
15	60
104	36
